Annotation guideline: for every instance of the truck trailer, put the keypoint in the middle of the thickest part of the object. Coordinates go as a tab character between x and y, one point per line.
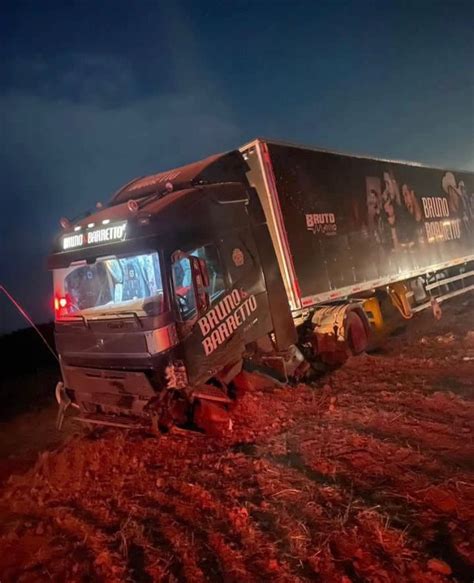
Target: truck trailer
272	255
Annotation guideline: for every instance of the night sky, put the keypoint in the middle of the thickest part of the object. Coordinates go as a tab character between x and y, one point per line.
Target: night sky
97	93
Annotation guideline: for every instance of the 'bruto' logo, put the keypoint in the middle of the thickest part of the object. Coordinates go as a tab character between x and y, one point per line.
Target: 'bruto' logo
225	318
324	223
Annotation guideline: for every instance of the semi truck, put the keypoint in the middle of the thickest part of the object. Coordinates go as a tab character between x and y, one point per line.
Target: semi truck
272	255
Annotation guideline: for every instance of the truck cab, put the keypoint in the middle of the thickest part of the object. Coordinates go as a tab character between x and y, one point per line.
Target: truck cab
159	294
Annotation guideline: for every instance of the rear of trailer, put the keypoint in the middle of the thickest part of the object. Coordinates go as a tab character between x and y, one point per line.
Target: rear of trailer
342	225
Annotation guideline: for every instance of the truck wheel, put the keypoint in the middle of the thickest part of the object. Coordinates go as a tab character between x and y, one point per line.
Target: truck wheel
356	335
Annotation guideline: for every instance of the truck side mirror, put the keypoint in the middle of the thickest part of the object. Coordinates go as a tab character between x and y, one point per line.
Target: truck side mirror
201	282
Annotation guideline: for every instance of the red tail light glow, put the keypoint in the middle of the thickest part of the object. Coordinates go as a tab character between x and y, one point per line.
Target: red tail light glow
59	303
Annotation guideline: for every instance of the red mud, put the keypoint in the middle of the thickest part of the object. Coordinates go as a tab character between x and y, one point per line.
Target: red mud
366	476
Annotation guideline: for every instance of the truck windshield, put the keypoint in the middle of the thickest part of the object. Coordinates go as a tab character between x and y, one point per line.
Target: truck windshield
111	285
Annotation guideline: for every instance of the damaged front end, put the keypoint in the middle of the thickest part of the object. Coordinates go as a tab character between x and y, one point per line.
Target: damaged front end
129	400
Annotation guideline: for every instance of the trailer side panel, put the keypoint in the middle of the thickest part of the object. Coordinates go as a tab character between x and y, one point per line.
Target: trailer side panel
354	223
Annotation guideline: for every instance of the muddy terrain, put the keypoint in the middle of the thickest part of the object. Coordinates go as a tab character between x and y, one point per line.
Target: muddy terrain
364	476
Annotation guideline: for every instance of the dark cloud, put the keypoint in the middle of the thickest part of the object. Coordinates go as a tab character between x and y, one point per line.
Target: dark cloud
76	77
73	143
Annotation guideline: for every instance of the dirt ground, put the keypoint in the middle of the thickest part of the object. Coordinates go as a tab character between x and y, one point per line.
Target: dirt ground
365	476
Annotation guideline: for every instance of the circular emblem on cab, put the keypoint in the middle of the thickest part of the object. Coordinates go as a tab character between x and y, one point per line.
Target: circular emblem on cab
238	257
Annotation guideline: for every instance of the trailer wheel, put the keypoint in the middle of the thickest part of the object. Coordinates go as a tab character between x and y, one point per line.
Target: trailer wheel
356	334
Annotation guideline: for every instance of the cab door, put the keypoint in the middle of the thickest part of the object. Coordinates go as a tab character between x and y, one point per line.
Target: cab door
206	312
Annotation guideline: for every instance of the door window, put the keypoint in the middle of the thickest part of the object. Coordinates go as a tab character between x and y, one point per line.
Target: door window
216	275
183	280
183	288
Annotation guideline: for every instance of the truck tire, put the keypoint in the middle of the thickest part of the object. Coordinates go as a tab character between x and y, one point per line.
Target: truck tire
357	337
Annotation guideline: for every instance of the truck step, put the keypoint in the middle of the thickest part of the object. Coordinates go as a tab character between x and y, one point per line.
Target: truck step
109	421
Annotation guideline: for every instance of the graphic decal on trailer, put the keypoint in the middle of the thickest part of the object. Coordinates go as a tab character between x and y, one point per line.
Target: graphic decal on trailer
324	223
351	220
398	216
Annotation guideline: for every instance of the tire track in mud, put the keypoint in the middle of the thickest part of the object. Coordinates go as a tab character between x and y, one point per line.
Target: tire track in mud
423	374
112	555
67	543
164	529
316	524
234	521
151	540
403	514
187	519
139	536
130	557
137	507
333	518
408	418
321	521
207	560
404	423
387	465
215	549
433	406
408	511
267	520
278	525
448	453
403	510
